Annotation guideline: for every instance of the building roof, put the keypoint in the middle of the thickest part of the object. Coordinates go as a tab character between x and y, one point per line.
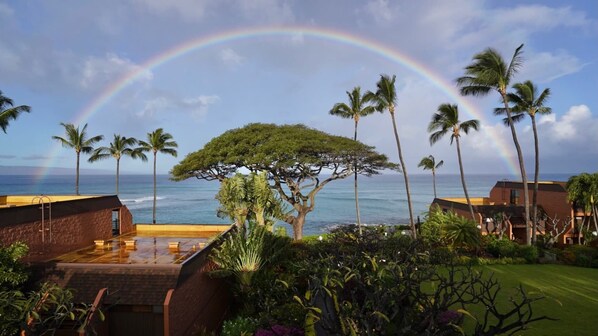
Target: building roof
554	186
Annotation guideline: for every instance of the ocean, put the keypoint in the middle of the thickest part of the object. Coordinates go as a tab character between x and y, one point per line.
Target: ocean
382	197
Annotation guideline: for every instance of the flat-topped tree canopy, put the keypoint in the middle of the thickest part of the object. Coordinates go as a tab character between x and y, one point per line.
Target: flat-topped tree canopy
294	155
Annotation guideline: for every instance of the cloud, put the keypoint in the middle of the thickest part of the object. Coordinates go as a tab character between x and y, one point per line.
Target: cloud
545	66
190	10
35	157
4	156
266	11
197	107
575	124
6	10
230	57
99	71
380	11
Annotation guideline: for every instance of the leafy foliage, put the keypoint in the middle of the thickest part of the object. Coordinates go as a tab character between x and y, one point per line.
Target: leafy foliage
12	271
447	228
9	112
293	156
249	198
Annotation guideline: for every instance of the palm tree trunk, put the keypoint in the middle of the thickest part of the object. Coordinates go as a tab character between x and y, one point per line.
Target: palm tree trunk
434	181
536	173
77	175
154	210
356	193
528	239
117	174
404	168
463	181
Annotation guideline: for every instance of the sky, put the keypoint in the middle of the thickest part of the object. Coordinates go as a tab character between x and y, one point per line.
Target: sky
197	68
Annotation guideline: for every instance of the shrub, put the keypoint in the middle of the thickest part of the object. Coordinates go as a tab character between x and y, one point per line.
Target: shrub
239	326
502	248
580	255
528	252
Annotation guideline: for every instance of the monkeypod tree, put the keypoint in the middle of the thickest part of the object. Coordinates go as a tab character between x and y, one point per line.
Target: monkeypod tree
299	162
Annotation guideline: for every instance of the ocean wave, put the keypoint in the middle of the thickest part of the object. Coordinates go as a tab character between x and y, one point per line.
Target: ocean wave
141	199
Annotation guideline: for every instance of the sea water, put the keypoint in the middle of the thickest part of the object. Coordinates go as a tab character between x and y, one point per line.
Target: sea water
382	198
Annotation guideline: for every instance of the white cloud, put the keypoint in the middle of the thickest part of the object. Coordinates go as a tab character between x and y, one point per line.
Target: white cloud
231	57
197	107
380	11
98	71
187	9
266	11
6	10
545	66
573	125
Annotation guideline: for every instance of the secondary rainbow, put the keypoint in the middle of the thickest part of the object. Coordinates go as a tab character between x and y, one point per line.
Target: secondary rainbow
314	32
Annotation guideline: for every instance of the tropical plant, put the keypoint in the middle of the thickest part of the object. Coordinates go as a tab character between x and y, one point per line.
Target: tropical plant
385	98
358	107
463	232
447	120
78	140
293	156
157	142
526	100
119	147
582	191
429	163
9	112
489	72
249	198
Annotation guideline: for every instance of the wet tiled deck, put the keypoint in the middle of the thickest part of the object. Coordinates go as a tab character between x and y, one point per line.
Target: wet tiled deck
150	248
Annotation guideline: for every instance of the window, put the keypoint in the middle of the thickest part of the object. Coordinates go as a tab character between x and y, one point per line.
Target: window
514	196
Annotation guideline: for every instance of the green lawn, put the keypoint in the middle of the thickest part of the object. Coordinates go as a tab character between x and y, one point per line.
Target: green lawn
572	296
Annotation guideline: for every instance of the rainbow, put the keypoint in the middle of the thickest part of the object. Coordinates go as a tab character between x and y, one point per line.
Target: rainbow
314	32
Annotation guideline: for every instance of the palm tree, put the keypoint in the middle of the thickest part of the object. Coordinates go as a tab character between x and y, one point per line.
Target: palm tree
447	120
9	112
429	163
489	72
527	101
582	191
358	107
78	140
119	147
385	98
158	141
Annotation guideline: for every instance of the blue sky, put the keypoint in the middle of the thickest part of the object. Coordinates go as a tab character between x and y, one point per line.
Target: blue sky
58	56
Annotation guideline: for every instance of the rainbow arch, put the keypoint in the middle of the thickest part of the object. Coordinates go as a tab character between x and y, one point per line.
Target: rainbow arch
314	32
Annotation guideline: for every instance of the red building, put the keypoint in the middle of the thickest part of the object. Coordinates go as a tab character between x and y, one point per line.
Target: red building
147	279
503	211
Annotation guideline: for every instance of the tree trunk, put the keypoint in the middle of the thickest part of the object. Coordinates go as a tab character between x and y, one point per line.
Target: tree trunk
77	175
463	181
521	168
356	193
536	173
117	174
434	181
297	223
154	210
404	168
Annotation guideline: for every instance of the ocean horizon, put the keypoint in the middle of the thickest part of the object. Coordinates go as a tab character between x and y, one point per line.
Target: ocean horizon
382	197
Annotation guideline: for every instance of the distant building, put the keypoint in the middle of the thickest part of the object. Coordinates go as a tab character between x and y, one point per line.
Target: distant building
503	211
147	279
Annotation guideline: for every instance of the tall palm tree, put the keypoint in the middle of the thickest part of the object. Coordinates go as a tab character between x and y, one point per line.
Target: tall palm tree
119	147
9	112
158	141
78	140
429	163
447	120
526	100
385	98
489	72
358	107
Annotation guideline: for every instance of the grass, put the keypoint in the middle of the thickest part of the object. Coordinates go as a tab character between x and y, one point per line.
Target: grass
571	296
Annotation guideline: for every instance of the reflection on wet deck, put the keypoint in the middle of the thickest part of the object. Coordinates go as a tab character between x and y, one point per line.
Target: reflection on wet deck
147	249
